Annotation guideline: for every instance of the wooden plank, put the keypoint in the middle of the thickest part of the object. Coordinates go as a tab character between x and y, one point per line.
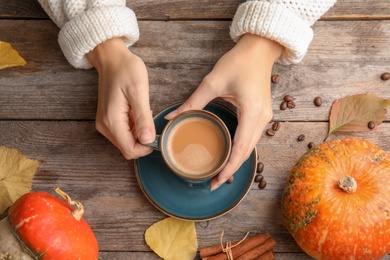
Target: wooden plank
342	10
196	42
25	9
358	10
49	96
345	58
83	163
128	256
204	42
152	256
205	9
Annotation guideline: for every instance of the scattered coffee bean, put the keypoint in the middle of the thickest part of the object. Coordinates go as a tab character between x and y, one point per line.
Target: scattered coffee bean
291	104
262	184
260	167
275	78
371	125
231	179
310	145
301	138
385	76
259	178
283	105
318	101
270	132
276	126
288	98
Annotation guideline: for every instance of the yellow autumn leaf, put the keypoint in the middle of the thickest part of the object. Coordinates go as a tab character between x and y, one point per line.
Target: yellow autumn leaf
9	57
173	239
16	173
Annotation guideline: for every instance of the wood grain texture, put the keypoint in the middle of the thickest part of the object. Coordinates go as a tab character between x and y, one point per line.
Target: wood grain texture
152	256
83	163
26	9
47	109
203	9
345	58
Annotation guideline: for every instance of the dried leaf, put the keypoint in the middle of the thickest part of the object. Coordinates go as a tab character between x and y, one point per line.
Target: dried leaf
9	57
352	113
173	239
16	173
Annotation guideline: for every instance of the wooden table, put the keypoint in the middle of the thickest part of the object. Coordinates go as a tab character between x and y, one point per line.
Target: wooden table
47	109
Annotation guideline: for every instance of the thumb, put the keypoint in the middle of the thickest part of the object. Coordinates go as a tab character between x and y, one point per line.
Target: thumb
144	125
198	100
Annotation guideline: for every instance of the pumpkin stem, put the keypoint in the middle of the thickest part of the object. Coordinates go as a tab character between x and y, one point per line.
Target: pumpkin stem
348	184
79	211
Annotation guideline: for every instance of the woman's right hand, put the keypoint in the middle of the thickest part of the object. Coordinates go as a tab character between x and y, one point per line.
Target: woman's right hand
123	113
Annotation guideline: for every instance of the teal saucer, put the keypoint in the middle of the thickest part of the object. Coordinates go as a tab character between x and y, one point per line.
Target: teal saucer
177	198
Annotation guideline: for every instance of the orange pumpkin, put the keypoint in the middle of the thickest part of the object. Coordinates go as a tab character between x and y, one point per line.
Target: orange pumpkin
336	202
42	226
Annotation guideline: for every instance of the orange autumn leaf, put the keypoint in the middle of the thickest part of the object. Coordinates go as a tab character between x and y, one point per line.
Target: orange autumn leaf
9	57
353	113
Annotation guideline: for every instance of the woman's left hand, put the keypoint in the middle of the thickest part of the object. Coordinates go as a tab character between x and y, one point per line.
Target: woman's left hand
241	77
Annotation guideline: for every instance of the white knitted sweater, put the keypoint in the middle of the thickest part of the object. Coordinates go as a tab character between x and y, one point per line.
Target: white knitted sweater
87	23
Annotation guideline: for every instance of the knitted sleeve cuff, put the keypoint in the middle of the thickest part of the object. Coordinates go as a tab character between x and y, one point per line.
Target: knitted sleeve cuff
83	33
275	22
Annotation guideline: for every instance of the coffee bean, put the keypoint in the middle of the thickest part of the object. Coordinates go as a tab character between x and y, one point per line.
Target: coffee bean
371	125
260	167
275	78
385	76
262	184
318	101
310	145
301	138
230	180
276	126
283	105
270	132
259	178
288	98
291	104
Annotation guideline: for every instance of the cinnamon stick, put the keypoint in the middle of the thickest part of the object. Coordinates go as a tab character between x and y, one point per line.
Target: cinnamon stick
212	250
243	247
259	250
269	255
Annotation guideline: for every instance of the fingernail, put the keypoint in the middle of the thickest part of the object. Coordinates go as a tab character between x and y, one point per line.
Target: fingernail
145	136
215	186
171	114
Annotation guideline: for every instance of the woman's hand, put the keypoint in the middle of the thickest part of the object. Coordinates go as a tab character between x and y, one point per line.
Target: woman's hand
241	77
123	113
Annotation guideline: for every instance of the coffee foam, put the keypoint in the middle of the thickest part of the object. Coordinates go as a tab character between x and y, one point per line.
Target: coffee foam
196	146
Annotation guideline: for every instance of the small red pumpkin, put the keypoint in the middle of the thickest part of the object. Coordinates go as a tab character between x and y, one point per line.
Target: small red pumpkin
336	203
47	227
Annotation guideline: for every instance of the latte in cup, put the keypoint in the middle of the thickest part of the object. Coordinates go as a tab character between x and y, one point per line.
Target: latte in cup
196	146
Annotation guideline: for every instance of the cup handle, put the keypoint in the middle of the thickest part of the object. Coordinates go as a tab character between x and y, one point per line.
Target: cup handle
156	143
